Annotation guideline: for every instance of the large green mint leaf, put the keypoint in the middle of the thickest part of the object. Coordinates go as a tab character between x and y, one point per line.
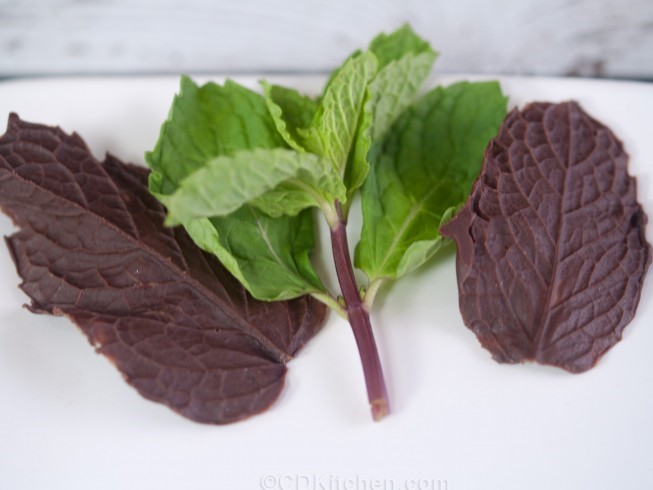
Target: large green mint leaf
425	170
333	130
205	122
290	111
405	60
212	120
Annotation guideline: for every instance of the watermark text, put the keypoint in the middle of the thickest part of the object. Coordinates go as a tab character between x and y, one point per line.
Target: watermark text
334	482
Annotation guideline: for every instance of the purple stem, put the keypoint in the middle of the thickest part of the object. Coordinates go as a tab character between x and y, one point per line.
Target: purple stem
359	320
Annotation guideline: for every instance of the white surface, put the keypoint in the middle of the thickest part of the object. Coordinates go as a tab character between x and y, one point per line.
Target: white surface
68	421
587	37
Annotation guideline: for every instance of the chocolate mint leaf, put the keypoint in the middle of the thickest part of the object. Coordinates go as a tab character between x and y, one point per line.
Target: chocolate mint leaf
424	171
270	256
290	111
278	182
92	246
551	246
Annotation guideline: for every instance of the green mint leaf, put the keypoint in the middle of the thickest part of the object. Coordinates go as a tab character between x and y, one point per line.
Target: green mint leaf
334	73
205	122
389	94
334	127
210	121
269	256
290	111
278	181
394	46
405	61
399	79
424	172
395	88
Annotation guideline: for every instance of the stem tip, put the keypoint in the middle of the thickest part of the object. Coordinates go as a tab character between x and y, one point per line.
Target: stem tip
379	409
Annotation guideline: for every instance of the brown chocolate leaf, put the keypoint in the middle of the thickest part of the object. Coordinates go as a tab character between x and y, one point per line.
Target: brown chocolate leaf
177	325
551	245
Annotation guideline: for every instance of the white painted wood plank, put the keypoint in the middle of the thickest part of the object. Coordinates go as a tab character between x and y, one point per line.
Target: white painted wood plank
586	37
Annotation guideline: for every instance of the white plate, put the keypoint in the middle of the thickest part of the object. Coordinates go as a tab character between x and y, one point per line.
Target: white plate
460	421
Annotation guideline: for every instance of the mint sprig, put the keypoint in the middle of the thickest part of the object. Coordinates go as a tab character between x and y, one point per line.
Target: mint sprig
269	256
241	172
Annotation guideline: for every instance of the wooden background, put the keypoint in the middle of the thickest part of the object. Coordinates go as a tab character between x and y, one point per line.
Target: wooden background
608	38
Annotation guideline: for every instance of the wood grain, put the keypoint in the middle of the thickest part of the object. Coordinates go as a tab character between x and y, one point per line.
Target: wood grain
551	37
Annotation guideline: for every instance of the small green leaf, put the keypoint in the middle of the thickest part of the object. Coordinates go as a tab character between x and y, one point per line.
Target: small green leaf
277	181
269	256
333	129
394	46
395	88
425	170
405	61
334	73
207	122
290	111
